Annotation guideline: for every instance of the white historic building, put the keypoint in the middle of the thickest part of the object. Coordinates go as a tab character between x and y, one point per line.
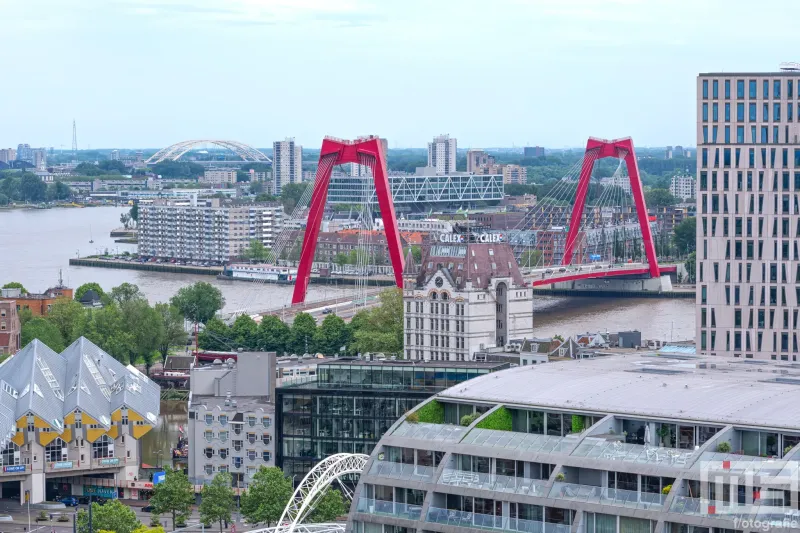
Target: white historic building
464	298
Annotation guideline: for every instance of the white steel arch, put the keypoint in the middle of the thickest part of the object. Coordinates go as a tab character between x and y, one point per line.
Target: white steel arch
175	151
331	527
314	484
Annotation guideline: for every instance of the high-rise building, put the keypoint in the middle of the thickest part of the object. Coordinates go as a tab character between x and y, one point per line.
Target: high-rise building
466	297
668	152
287	163
533	151
442	154
207	231
7	155
40	158
515	174
748	172
25	153
682	187
115	155
477	159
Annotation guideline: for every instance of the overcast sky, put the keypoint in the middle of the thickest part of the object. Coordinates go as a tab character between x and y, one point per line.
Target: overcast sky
148	73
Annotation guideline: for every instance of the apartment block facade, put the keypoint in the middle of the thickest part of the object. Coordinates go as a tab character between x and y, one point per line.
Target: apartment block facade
682	187
442	154
748	173
287	163
218	177
515	174
207	231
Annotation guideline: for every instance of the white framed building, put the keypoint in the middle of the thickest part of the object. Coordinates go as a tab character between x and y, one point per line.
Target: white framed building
287	163
442	154
464	299
218	176
682	187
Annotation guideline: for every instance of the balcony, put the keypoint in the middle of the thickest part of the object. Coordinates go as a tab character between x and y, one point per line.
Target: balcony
453	517
605	496
528	442
381	507
632	453
493	482
777	516
426	431
401	471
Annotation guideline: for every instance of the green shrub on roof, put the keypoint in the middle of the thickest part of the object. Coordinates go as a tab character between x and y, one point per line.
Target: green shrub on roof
431	413
500	420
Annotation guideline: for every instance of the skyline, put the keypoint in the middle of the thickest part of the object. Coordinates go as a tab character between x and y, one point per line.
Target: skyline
142	73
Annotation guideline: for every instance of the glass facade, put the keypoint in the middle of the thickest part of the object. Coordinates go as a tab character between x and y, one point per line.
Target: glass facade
353	403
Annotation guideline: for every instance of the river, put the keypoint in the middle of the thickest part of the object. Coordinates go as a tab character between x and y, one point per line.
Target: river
35	244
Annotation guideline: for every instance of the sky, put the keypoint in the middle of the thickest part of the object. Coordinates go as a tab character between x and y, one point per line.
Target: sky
149	73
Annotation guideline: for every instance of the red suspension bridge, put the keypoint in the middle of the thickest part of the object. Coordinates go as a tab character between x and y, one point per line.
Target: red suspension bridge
584	228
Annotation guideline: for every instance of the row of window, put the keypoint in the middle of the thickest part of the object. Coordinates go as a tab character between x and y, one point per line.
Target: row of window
748	270
773	296
744	227
266	438
210	469
749	248
752	162
779	344
752	89
781	181
737	318
251	420
752	112
435	355
435	308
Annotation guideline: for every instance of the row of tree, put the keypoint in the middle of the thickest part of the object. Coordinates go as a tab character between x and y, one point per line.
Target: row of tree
375	330
28	187
126	326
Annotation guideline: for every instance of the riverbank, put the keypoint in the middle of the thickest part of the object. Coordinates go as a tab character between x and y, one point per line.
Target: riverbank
675	294
378	281
148	267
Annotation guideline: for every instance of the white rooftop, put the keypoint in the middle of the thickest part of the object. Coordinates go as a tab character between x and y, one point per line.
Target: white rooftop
703	389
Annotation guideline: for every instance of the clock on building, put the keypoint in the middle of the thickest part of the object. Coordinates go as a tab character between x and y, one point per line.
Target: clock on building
439	282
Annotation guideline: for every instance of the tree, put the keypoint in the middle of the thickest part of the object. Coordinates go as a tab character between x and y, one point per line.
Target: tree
68	316
291	194
256	251
25	314
216	336
301	338
172	330
125	293
328	508
531	258
199	302
217	500
106	328
380	329
245	332
44	330
134	212
32	188
125	220
659	197
4	199
685	236
266	497
174	495
83	289
332	334
16	285
691	267
341	259
274	334
113	516
143	324
61	191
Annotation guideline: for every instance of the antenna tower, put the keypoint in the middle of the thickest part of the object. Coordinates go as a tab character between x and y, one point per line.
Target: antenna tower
74	141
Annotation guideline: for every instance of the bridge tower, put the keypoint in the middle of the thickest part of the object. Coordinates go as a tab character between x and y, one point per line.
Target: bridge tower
620	149
367	152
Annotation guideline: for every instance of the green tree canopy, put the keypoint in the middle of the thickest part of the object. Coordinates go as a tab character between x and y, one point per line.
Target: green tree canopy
266	497
199	302
106	328
274	334
331	335
83	289
144	325
113	516
68	316
328	508
659	198
174	495
380	329
217	500
685	235
32	188
301	338
245	333
173	332
531	258
216	336
16	285
125	293
256	251
291	193
44	330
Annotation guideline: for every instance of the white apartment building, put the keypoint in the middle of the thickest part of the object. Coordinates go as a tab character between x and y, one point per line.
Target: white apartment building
442	154
218	177
682	187
287	163
515	174
7	155
748	173
206	231
464	299
623	182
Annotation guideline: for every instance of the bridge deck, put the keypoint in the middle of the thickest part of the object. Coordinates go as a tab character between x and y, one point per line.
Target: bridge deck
556	275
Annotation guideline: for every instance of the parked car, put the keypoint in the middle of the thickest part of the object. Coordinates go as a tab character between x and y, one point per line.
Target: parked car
83	500
326	311
70	501
147	508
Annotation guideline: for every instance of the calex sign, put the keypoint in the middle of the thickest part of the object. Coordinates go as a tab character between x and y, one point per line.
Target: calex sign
457	238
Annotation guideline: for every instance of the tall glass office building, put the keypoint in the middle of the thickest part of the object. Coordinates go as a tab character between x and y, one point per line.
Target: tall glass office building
629	444
351	403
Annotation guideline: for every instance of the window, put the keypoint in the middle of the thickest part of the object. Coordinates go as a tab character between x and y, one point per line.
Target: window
55	451
715	89
223	453
237	445
209	469
266	421
776	89
266	456
208	452
727	89
208	435
740	111
251	455
223	419
705	112
739	88
251	438
705	88
752	113
209	419
237	462
753	89
251	421
223	436
266	438
103	447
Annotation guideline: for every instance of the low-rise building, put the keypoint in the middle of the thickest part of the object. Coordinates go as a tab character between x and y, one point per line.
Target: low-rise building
515	174
630	444
10	328
38	304
218	177
351	403
231	414
682	187
71	421
533	151
465	298
206	230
